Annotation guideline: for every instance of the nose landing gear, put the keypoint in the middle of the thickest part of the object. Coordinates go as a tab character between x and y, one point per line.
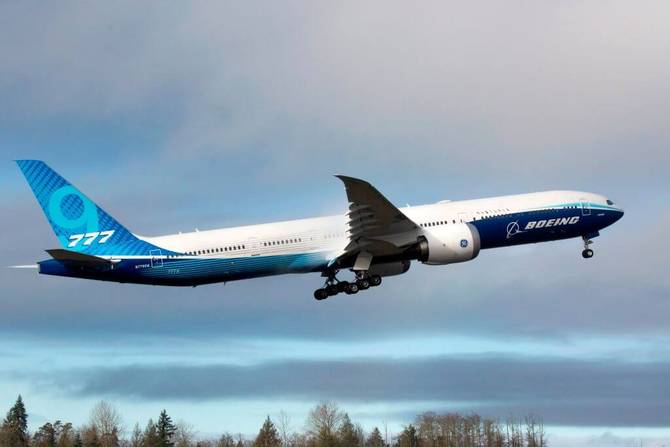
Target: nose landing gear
587	252
333	286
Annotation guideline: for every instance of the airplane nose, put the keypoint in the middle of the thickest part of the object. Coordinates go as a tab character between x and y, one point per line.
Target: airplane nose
618	214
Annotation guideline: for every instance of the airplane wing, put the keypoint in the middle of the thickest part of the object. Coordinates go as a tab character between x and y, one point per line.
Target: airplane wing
376	226
85	261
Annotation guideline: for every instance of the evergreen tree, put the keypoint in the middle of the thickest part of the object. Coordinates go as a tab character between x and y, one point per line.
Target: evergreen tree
77	441
409	437
375	439
15	426
268	436
165	430
348	434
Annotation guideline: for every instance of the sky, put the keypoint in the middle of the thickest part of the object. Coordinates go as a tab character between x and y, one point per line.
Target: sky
203	115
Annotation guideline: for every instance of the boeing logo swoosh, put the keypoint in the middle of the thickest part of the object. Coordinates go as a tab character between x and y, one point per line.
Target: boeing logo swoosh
513	229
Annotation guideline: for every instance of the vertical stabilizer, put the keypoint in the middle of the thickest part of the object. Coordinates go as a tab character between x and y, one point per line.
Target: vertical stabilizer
78	222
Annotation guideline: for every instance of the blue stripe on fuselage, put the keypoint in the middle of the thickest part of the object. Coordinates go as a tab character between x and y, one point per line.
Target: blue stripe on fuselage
545	224
193	271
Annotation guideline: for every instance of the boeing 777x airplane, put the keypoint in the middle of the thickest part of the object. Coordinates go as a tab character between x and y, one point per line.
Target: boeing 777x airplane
373	239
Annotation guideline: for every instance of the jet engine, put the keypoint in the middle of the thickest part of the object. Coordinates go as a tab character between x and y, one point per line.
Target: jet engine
449	244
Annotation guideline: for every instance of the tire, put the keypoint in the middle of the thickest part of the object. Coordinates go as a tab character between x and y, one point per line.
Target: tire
363	284
320	294
332	290
342	286
375	280
588	253
352	288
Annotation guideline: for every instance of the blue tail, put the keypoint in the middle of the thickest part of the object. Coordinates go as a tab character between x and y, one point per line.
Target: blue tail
79	224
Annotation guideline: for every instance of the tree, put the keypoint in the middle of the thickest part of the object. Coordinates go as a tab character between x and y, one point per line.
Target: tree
65	434
184	434
535	436
77	441
409	437
150	437
136	438
348	434
375	439
268	435
107	422
45	436
165	429
14	428
226	440
284	427
90	436
323	422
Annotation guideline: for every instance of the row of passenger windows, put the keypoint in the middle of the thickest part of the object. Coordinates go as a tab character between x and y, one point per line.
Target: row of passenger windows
483	215
282	242
210	251
439	222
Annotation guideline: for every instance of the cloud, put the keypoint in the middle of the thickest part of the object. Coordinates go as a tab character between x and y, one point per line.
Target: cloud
564	391
500	90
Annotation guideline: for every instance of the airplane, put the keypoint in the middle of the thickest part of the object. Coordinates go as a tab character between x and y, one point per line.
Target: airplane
374	239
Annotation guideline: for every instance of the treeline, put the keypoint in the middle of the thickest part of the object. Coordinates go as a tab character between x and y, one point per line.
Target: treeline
326	426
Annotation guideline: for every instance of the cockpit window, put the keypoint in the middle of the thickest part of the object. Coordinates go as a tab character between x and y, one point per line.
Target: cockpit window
609	202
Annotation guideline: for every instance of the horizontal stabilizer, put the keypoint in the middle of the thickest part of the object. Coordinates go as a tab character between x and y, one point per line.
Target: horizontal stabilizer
81	259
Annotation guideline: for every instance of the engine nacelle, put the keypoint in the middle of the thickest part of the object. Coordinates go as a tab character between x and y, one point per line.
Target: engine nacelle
389	268
449	244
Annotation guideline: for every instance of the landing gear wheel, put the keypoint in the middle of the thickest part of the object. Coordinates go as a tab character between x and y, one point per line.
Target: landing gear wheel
342	286
351	288
375	280
587	252
332	289
320	294
363	283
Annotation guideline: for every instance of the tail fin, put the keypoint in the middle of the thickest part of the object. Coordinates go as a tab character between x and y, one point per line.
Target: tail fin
79	224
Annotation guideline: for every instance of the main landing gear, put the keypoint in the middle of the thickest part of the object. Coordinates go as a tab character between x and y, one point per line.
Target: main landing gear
333	286
587	252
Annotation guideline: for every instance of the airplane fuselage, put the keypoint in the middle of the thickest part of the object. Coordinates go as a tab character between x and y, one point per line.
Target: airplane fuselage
310	245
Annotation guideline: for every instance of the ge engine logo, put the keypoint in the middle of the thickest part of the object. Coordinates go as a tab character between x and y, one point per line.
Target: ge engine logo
464	243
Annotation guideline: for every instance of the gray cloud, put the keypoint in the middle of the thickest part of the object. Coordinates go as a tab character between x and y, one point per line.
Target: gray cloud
564	391
502	90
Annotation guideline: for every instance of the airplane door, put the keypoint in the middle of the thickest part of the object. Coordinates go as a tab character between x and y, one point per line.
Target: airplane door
586	208
156	258
254	246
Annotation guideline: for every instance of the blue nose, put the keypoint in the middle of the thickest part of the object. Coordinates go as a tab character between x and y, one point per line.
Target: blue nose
618	214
